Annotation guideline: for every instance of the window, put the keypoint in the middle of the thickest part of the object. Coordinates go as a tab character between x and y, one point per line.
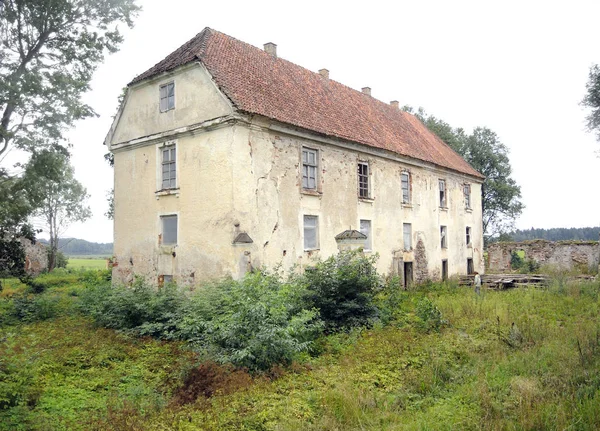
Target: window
311	232
169	229
467	193
365	228
363	180
468	236
443	236
167	97
407	230
309	169
405	177
444	269
169	167
442	185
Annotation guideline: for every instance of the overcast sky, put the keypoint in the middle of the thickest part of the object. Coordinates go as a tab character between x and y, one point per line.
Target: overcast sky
519	68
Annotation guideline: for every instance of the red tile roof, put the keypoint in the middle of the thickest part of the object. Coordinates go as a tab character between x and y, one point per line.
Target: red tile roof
259	83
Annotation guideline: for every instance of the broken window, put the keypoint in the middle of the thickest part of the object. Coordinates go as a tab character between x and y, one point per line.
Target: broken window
169	167
309	168
311	232
442	186
363	180
444	236
167	97
405	178
468	235
169	229
365	228
407	230
467	193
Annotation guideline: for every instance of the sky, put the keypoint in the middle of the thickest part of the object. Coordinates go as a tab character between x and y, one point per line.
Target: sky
517	67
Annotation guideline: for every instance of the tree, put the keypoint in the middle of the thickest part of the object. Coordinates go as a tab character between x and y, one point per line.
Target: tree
482	149
592	100
63	202
49	51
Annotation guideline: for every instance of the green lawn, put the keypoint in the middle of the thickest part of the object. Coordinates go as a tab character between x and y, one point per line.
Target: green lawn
86	263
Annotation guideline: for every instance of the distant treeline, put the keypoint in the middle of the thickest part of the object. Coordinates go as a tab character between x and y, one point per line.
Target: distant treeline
81	247
555	234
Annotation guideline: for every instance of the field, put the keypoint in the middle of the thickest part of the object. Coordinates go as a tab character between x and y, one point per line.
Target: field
524	359
78	263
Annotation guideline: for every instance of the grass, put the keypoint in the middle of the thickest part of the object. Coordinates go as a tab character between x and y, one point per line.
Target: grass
86	263
523	359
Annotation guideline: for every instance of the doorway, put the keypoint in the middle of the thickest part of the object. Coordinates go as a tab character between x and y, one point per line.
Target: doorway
408	274
444	269
470	269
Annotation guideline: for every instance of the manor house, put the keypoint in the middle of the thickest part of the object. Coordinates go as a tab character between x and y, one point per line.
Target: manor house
228	158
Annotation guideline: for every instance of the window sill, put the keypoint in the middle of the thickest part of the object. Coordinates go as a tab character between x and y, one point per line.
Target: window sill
166	192
310	192
469	210
167	248
445	209
409	206
366	200
310	250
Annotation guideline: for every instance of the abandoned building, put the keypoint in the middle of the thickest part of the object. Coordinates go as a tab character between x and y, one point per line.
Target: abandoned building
228	158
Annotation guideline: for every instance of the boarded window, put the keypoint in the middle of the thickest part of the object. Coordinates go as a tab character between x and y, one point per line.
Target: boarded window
467	193
311	232
169	167
365	228
444	236
405	178
169	229
309	169
442	187
363	180
407	230
167	96
468	235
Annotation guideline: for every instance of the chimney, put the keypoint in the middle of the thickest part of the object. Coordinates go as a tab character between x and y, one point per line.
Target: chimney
324	73
366	90
271	48
395	104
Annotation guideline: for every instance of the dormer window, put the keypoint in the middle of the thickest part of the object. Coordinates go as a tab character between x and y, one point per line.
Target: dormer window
167	97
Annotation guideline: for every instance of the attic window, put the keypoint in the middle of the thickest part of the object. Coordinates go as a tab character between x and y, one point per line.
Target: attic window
167	97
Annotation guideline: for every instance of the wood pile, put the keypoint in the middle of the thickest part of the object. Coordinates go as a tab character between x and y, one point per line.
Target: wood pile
506	281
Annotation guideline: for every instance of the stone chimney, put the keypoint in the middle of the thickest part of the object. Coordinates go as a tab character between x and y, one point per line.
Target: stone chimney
395	104
366	90
271	49
324	73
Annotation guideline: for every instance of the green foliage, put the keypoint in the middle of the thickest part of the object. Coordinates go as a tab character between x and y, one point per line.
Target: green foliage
342	289
592	100
518	262
430	317
61	261
556	234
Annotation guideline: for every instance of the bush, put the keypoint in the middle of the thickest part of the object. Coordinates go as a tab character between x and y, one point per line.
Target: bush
342	289
430	317
255	323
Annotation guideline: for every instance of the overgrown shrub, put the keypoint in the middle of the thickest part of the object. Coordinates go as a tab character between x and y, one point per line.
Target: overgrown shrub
430	316
139	310
32	308
389	302
342	289
254	323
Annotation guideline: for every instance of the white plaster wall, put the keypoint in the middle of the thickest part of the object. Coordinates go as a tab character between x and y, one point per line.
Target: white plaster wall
196	100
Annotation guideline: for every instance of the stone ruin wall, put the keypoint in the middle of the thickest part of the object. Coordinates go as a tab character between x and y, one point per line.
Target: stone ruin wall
560	254
36	257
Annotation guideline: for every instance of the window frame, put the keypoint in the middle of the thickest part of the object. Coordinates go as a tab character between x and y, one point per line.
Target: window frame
469	236
167	97
308	165
168	145
364	187
443	193
408	200
162	218
444	236
369	241
404	233
467	195
315	227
